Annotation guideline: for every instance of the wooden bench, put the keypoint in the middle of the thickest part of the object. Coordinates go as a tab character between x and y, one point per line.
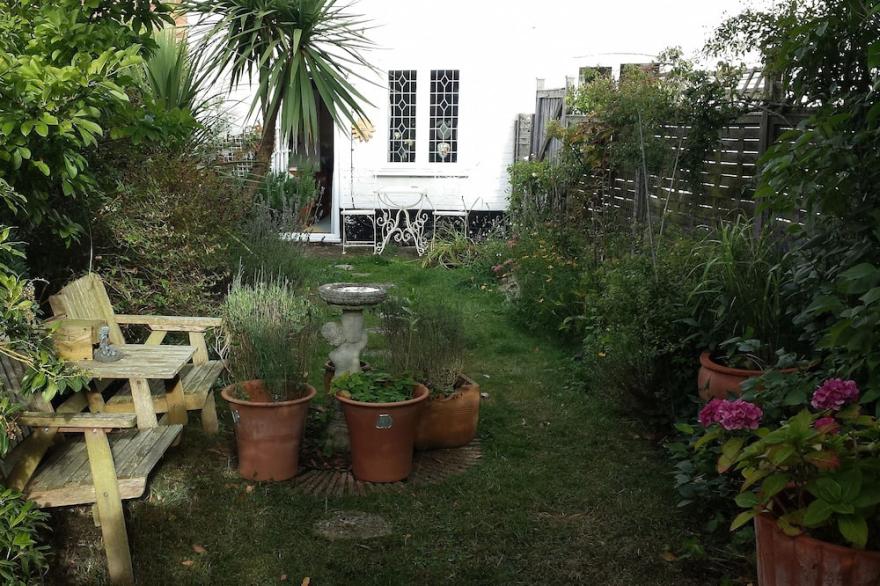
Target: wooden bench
86	298
67	458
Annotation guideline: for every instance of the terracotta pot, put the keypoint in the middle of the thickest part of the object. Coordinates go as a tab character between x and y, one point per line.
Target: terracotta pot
330	372
450	422
715	381
268	434
382	436
804	561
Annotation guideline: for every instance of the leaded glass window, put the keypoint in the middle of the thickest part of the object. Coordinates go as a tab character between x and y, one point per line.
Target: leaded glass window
402	128
443	131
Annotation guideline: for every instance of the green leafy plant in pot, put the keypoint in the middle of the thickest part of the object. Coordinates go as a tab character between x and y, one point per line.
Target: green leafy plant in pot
739	311
382	413
270	335
426	340
811	482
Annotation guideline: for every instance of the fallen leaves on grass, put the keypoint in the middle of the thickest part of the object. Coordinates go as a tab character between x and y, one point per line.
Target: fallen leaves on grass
199	549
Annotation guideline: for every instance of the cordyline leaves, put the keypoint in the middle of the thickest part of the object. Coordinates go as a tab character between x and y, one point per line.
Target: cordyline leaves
296	51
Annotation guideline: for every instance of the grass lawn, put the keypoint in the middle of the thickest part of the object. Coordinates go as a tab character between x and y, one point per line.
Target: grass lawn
567	492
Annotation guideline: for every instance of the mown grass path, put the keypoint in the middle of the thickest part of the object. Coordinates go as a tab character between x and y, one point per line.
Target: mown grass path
567	491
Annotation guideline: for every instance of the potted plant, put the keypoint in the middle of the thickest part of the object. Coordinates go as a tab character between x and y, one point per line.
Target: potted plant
426	341
811	483
739	311
381	413
270	337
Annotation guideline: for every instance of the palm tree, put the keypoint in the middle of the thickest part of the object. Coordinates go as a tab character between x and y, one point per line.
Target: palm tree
175	77
297	51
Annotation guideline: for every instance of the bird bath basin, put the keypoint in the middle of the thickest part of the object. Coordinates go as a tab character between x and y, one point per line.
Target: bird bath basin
352	295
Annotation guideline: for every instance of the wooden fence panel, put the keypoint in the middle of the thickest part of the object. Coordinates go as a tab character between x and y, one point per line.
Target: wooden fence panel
727	178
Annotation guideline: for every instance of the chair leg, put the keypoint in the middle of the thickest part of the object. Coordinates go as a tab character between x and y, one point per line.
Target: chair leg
109	507
209	415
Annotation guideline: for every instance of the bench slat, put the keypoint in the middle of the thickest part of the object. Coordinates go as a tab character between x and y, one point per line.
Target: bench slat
135	454
197	381
78	420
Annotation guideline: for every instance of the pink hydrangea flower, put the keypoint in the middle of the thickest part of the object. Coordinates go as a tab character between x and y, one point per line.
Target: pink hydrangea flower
739	414
827	425
709	412
835	393
732	415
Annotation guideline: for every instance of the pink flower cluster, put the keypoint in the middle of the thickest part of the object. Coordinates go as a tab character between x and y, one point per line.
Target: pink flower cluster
738	414
827	425
835	393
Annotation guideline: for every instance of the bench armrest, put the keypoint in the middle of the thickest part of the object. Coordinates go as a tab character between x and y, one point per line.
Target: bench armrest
168	323
78	421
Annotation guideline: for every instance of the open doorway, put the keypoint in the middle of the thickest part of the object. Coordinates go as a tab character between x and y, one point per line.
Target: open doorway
322	214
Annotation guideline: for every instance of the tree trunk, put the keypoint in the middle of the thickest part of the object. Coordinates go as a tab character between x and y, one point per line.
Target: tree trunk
263	156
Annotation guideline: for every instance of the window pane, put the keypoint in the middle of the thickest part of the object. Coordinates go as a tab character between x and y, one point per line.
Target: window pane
402	127
443	132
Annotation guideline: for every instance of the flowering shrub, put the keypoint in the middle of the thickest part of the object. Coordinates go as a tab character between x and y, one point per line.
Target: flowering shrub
834	394
731	415
815	472
546	265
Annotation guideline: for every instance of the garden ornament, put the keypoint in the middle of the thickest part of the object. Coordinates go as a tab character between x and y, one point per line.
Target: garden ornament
106	352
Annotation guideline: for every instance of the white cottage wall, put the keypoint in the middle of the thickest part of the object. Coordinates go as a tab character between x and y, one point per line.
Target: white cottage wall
500	47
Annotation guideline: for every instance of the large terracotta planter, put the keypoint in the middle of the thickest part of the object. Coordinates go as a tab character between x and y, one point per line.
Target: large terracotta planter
450	422
382	436
268	434
804	561
330	372
715	381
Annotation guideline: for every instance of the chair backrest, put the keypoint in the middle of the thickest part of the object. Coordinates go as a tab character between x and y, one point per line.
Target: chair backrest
86	298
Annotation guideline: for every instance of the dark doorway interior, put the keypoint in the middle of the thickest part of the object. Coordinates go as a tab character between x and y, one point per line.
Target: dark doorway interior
326	128
320	157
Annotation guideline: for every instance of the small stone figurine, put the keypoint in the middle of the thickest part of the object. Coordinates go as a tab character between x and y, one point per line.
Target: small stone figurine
105	351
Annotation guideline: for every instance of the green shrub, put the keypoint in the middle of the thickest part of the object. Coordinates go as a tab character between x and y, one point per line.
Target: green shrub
637	341
24	560
828	166
708	497
548	269
282	191
450	248
163	241
66	68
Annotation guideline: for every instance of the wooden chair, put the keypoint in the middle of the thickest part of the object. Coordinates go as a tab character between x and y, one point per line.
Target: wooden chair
93	463
86	298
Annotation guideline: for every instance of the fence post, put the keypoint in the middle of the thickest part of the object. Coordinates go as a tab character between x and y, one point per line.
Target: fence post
765	139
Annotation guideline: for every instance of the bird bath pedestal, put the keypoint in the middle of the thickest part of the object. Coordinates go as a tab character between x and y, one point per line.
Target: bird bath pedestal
348	338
